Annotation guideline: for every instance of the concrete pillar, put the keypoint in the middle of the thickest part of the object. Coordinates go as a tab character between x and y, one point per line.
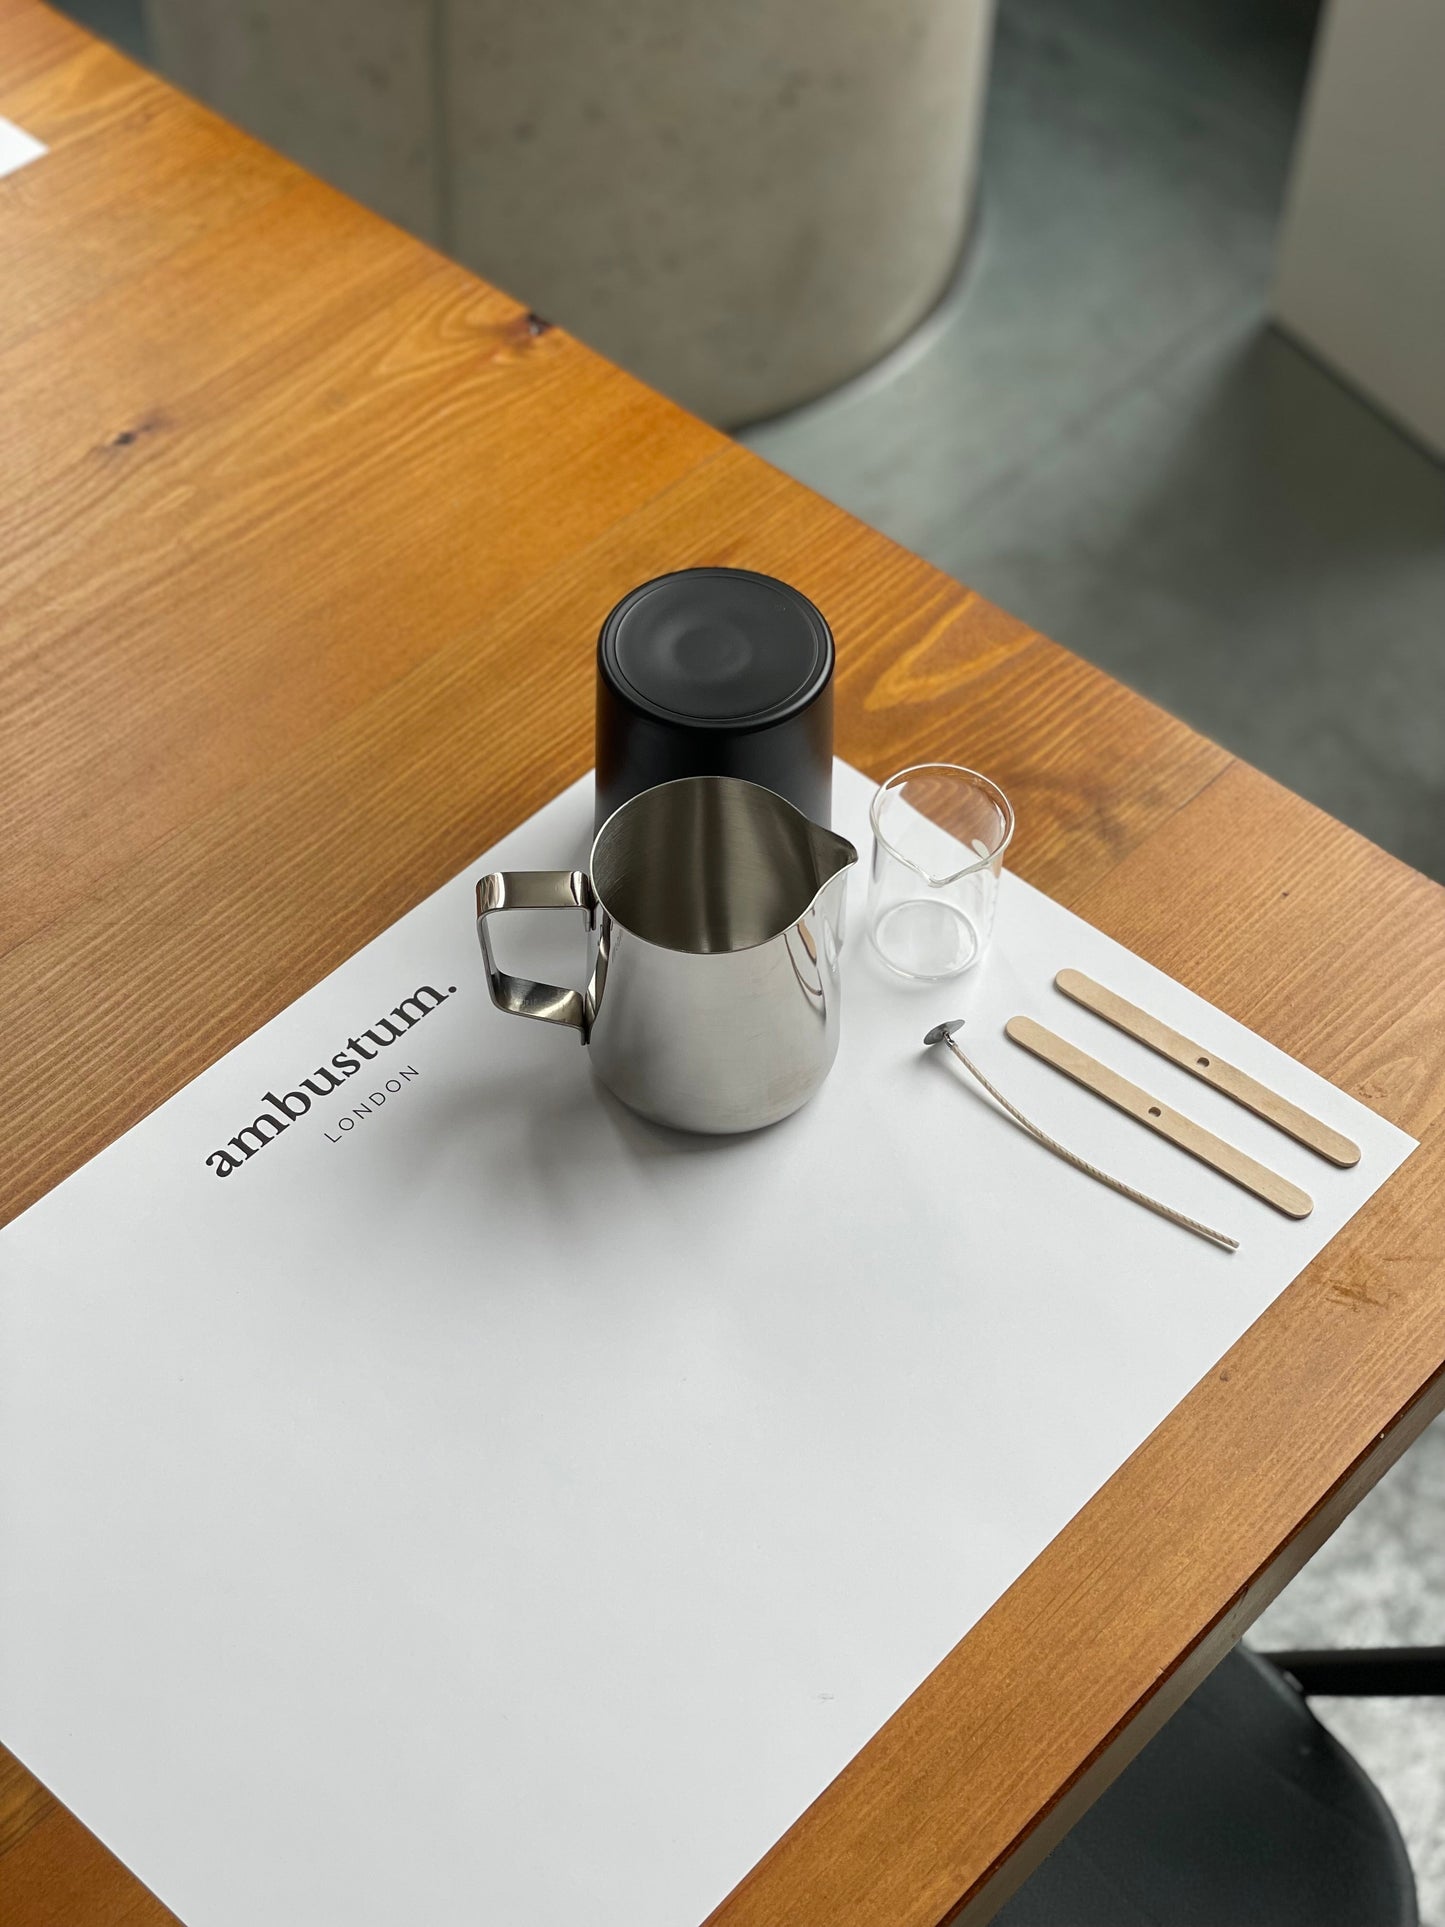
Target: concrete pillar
1361	277
743	203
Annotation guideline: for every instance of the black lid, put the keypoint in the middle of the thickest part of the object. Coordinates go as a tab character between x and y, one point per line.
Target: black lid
716	649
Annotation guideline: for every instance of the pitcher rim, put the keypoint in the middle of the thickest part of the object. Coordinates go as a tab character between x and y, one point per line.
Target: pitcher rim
845	864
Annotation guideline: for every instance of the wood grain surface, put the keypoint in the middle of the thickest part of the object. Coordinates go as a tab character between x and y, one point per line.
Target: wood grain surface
305	538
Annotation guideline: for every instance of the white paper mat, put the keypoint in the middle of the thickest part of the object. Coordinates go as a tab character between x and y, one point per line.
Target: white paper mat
506	1511
17	147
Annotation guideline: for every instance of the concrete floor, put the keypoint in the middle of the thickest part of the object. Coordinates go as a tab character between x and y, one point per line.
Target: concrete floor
1098	430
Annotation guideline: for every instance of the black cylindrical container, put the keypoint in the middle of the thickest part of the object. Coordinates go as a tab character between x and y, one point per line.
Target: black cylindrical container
715	672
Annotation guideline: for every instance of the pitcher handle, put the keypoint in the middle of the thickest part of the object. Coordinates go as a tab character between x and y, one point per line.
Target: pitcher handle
534	890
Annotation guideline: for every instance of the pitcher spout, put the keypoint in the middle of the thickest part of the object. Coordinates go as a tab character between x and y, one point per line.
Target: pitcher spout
833	855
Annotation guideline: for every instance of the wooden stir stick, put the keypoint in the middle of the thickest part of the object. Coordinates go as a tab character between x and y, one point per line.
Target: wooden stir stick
1209	1069
1168	1123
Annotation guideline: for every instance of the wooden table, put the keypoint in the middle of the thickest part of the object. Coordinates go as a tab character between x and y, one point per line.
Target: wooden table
306	536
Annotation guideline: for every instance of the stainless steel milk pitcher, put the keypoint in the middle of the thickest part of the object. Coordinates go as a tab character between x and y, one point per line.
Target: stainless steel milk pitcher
715	912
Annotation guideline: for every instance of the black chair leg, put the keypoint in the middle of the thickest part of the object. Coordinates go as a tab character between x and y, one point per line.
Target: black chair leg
1379	1671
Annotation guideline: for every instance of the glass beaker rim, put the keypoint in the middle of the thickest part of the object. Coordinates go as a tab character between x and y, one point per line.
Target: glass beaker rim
976	780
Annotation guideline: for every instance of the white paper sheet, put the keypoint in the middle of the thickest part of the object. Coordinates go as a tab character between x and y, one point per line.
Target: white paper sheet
17	147
502	1510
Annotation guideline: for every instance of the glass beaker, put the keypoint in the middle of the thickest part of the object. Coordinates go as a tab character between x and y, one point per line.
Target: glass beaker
939	836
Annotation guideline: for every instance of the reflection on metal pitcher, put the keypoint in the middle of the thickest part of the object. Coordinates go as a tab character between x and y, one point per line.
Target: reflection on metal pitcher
716	918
